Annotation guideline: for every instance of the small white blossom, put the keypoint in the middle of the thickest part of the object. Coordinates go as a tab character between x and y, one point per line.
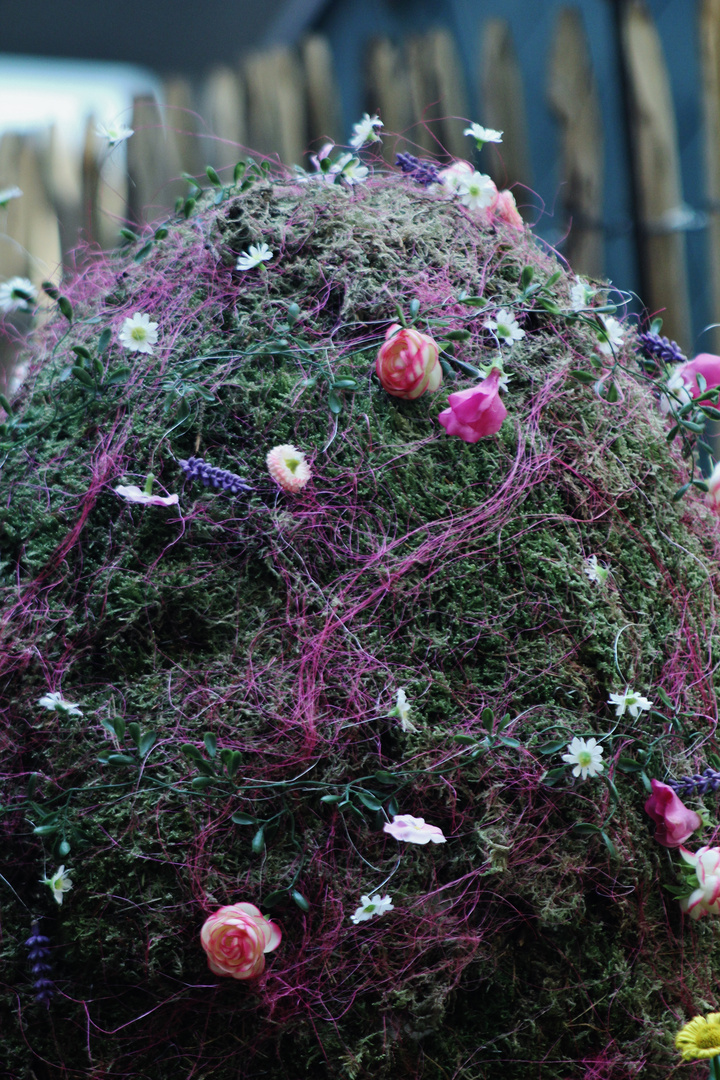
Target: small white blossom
678	392
372	905
581	294
55	702
594	571
613	336
351	169
138	334
248	260
114	133
482	134
586	756
17	294
132	493
6	194
505	326
59	883
477	192
454	175
631	701
364	131
402	711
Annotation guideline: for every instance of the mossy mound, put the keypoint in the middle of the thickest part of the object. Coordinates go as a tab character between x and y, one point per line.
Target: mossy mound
538	939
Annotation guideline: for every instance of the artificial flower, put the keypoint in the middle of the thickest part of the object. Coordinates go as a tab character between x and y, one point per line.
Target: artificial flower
682	382
712	497
59	883
631	701
413	830
55	702
675	823
477	412
17	294
597	574
581	294
704	900
611	337
236	939
132	493
505	326
452	176
317	160
256	256
138	333
114	133
288	467
478	192
364	131
407	363
506	210
700	1038
402	711
6	194
482	134
372	905
586	756
350	169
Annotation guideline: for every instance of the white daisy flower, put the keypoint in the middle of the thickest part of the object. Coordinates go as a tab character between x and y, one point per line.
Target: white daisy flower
586	756
594	571
59	883
114	133
505	326
6	194
613	336
17	294
678	395
482	134
581	294
364	131
402	711
138	333
477	192
256	256
55	702
351	169
370	906
629	701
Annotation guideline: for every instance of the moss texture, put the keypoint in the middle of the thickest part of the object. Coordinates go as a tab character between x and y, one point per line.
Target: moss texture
283	626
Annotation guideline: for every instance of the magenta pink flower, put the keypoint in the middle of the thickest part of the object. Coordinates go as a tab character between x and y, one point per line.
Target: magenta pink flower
413	830
407	364
236	939
675	823
476	412
506	210
685	376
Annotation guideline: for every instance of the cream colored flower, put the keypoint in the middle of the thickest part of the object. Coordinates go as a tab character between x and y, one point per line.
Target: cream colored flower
288	467
138	334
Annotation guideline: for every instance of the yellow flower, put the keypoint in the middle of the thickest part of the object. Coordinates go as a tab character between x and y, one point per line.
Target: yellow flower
700	1038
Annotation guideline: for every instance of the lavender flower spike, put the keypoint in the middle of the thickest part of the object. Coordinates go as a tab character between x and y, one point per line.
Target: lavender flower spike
669	352
39	957
698	784
424	172
196	468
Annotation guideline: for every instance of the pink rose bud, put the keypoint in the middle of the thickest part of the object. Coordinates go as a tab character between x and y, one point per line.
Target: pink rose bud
705	364
407	364
236	939
675	823
507	212
476	412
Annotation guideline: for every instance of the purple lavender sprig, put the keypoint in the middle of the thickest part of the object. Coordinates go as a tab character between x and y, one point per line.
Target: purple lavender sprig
423	171
698	784
196	468
39	957
668	352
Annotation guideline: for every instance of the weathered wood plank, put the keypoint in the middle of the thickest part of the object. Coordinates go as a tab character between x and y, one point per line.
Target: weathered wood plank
153	164
276	103
388	91
572	94
657	164
439	93
502	106
182	124
323	94
709	30
223	108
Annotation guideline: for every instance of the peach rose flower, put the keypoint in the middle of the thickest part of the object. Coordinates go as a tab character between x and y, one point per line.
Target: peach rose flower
407	364
236	939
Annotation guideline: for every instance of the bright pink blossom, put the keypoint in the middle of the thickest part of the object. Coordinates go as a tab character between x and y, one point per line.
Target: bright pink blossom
506	210
705	364
407	364
713	492
413	830
236	939
675	823
705	900
476	412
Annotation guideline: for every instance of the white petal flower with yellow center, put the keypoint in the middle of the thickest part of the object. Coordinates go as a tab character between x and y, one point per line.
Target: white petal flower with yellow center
597	574
477	192
17	294
114	133
505	326
59	883
256	256
612	337
370	906
629	701
138	333
55	702
364	131
586	756
7	194
482	134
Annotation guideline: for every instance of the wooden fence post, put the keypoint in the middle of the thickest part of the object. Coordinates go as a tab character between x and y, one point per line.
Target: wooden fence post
438	93
657	165
323	95
223	108
153	163
277	116
503	106
709	31
573	96
388	89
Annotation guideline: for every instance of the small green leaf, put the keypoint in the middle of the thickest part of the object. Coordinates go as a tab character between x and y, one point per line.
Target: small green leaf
275	898
552	776
507	741
5	404
549	305
526	277
238	171
612	394
330	798
680	492
205	767
629	765
128	234
83	377
553	278
52	291
188	207
213	176
393	807
118	725
63	849
346	383
161	233
369	800
134	732
104	340
231	759
98	367
672	433
82	352
664	698
465	740
120	759
585	829
46	830
458	335
201	783
656	326
553	747
144	251
614	794
32	784
414	307
487	718
474	301
258	841
191	751
241	818
385	778
334	403
300	900
146	743
609	845
65	307
118	376
690	425
210	744
586	377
